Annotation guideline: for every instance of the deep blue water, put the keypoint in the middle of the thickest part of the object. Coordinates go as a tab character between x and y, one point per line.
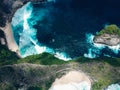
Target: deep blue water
65	26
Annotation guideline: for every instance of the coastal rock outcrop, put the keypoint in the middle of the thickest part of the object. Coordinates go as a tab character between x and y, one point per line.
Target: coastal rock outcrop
26	76
111	40
110	35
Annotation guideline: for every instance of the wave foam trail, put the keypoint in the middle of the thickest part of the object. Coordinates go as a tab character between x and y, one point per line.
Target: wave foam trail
90	54
95	49
113	87
26	37
62	56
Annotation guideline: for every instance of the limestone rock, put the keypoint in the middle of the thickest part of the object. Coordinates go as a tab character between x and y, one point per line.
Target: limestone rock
111	40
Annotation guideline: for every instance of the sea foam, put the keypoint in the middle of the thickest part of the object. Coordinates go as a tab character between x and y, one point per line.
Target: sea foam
95	49
113	87
27	42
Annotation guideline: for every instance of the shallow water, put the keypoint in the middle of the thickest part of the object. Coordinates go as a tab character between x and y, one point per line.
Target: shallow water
63	28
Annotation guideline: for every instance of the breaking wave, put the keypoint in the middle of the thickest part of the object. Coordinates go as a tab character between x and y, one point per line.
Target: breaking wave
72	86
113	87
25	33
45	27
95	50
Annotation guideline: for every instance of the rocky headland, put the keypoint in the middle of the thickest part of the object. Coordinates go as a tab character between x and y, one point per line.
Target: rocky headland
110	36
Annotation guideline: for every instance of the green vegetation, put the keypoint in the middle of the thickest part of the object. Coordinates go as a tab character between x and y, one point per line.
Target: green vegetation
104	68
110	29
112	61
9	57
43	59
6	86
6	56
101	84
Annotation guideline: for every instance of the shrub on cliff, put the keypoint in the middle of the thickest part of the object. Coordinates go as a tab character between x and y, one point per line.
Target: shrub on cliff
7	56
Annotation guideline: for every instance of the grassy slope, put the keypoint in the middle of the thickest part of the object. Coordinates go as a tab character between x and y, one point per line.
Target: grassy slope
6	56
104	70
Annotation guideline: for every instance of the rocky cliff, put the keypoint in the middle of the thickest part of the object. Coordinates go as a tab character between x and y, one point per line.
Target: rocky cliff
107	39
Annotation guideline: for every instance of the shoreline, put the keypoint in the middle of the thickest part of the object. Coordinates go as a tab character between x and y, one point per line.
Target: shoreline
11	44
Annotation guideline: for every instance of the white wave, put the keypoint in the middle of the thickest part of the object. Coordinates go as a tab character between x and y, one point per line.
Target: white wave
62	56
115	49
95	48
90	38
90	54
28	43
72	86
113	87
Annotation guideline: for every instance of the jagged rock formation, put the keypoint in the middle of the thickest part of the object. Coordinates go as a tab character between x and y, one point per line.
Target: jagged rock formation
110	35
111	40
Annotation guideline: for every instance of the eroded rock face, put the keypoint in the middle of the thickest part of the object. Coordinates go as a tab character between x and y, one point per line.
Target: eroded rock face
107	39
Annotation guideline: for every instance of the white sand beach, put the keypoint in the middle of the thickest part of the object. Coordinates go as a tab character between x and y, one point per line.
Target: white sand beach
74	80
9	38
